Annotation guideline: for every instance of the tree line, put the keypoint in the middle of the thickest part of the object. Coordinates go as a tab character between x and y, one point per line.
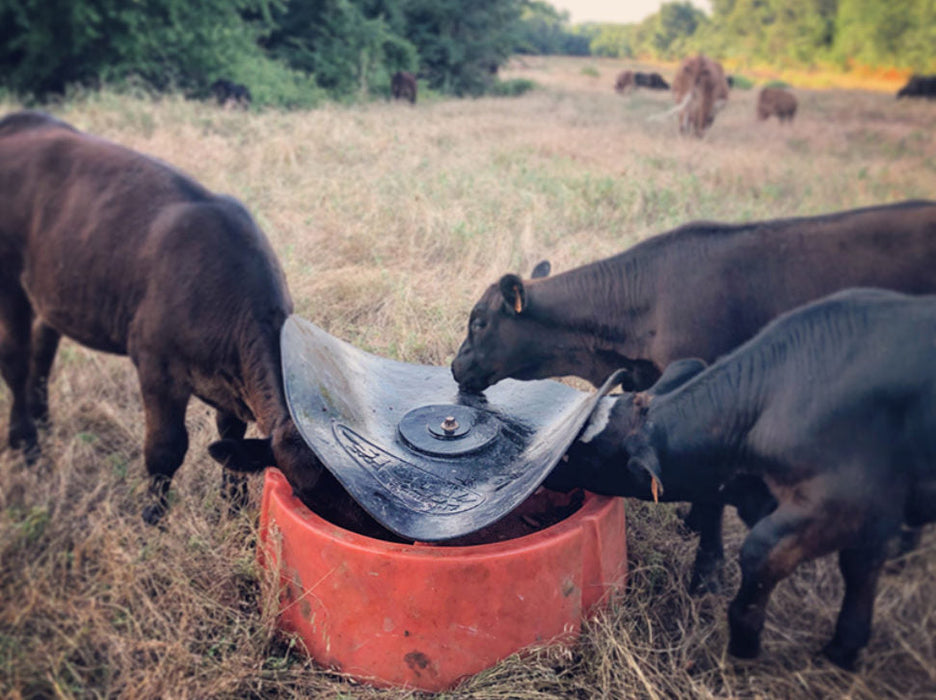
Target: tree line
299	52
783	33
288	52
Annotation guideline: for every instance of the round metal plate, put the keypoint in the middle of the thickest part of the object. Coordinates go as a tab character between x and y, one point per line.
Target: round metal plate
448	430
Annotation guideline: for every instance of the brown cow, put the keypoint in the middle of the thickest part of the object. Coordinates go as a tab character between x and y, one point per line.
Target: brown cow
624	82
125	254
700	91
777	101
403	86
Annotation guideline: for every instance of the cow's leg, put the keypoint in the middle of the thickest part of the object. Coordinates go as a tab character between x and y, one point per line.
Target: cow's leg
164	403
45	341
771	551
15	324
706	519
233	486
908	540
860	567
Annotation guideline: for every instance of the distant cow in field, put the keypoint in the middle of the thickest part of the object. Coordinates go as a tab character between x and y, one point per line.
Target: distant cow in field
229	94
628	80
125	254
653	81
697	291
776	101
833	407
919	86
403	86
624	82
700	91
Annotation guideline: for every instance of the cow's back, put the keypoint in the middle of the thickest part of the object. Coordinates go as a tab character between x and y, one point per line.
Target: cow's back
710	287
95	230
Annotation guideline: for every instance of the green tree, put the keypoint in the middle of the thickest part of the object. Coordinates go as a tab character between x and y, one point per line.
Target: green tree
544	30
675	23
461	43
46	45
345	46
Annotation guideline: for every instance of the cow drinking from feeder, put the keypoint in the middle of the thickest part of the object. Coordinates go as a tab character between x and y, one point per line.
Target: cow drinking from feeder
697	291
832	406
124	254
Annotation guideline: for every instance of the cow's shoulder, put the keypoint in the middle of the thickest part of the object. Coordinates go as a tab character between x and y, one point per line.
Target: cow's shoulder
28	120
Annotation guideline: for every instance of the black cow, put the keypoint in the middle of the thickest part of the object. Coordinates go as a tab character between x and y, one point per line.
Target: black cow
833	407
653	81
125	254
697	291
403	86
230	94
919	86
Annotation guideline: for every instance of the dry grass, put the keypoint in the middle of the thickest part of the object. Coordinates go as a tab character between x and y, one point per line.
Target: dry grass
390	220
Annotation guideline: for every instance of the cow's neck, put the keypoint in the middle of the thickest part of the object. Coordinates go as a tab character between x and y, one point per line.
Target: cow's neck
709	419
602	314
262	373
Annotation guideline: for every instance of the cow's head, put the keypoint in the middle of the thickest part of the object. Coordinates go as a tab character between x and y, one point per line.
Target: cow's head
504	337
284	449
617	452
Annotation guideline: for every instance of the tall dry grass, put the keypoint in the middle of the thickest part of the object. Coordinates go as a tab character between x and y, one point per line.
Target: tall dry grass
390	220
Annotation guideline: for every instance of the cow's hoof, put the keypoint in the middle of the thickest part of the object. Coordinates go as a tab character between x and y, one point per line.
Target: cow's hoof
706	574
25	439
840	656
744	646
690	520
700	584
153	514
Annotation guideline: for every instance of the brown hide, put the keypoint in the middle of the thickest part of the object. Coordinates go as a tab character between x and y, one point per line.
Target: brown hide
624	82
125	254
403	86
776	101
700	89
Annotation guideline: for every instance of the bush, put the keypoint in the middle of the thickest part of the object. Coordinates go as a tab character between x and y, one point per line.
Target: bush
512	88
741	83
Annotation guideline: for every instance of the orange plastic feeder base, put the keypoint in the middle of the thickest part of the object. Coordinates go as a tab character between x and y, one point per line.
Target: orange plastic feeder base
425	616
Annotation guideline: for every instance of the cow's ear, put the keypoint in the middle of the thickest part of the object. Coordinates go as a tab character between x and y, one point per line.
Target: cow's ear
644	465
511	286
245	456
542	269
676	374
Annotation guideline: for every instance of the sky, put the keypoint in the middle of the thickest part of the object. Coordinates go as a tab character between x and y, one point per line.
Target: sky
620	11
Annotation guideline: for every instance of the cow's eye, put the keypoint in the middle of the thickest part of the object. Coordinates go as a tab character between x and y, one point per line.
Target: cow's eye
478	324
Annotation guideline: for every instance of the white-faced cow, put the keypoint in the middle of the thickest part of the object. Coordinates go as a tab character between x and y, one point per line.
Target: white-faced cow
697	291
700	90
127	255
833	407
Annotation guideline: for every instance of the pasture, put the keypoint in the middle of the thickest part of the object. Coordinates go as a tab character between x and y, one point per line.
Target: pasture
390	219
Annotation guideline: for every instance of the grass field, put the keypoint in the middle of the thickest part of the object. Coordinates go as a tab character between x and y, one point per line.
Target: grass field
390	220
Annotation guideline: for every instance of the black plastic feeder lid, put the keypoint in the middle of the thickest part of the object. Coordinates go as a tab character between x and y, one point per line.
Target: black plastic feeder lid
448	429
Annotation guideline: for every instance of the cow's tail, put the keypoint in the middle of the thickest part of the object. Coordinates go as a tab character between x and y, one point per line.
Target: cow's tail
670	112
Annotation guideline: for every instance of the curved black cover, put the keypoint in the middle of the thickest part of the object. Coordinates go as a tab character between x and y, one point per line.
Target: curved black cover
349	404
